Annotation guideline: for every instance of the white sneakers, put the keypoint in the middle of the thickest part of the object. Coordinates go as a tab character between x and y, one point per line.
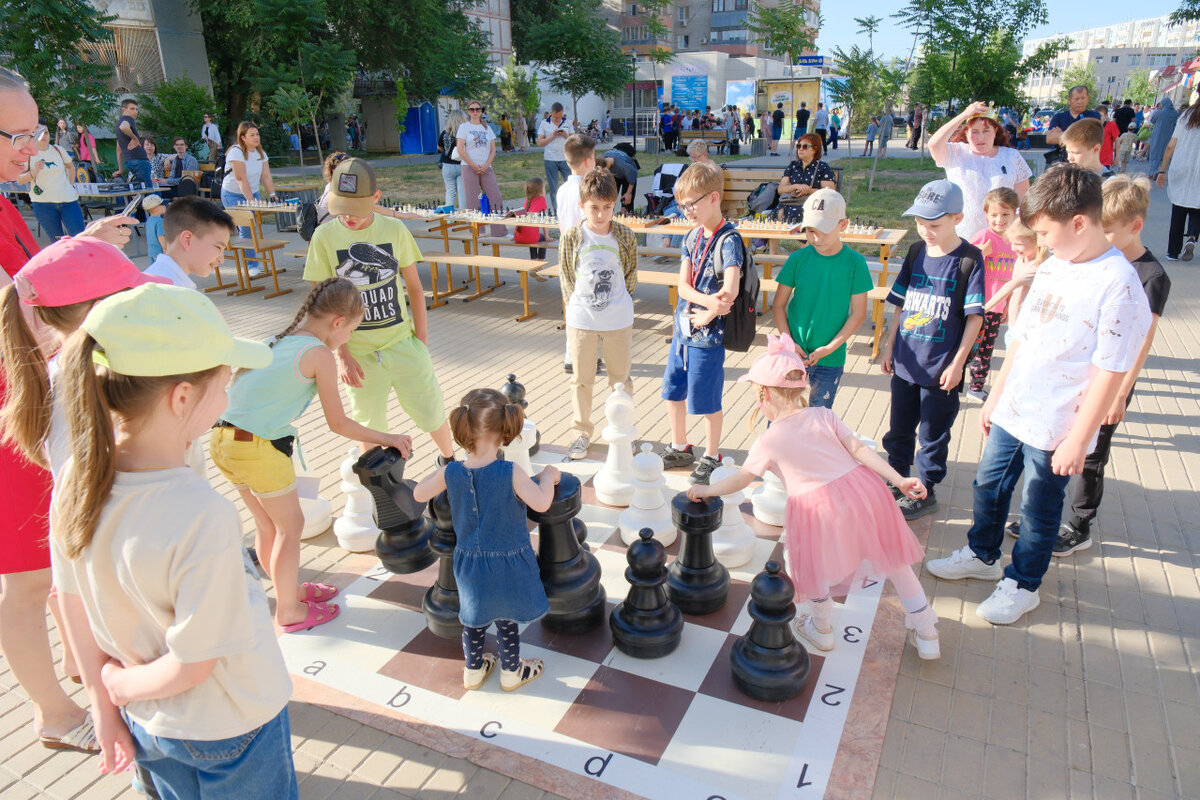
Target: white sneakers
806	629
1008	603
963	563
922	633
579	448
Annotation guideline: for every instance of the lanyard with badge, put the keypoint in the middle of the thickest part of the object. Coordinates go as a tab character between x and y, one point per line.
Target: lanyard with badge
685	322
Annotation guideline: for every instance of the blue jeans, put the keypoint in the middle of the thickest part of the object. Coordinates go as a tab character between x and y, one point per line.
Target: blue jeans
452	177
140	168
1004	459
229	200
556	173
55	218
823	383
254	764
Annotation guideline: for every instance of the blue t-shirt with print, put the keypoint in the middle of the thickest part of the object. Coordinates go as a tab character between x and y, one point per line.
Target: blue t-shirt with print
931	327
708	277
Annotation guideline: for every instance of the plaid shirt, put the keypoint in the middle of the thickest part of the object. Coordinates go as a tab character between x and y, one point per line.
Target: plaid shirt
569	257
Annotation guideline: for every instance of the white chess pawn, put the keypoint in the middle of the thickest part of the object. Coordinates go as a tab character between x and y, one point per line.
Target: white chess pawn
770	500
355	529
649	507
733	543
613	483
517	451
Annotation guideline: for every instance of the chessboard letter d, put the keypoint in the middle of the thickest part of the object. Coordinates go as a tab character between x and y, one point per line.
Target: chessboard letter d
595	765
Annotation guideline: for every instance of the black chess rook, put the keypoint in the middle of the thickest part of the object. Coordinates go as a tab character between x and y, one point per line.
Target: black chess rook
647	624
768	663
696	581
570	575
440	603
403	543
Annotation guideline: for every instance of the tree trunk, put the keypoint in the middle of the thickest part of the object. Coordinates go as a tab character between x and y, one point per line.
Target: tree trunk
316	139
300	142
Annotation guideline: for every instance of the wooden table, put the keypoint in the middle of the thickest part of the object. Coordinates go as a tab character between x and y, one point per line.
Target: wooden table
520	265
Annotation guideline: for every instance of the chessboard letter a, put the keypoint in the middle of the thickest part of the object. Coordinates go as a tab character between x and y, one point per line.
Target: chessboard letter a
315	668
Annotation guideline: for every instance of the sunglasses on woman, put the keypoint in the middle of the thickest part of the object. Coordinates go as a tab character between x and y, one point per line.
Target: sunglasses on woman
804	147
475	109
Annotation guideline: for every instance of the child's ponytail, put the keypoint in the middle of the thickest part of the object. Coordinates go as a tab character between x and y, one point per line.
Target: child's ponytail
485	411
25	416
334	295
514	422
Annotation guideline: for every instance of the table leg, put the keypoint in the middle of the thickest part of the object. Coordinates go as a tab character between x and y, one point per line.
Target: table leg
525	298
433	280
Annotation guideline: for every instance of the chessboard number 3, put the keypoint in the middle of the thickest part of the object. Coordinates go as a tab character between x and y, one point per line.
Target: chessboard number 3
851	634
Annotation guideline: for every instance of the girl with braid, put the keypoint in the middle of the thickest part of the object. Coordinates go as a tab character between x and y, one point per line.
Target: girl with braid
253	440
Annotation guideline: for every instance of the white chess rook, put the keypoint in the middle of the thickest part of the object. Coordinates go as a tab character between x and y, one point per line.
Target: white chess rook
613	483
355	529
733	542
650	507
769	500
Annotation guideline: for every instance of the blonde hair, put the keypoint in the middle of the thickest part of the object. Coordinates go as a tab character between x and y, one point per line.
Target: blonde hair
25	415
696	147
1002	195
454	119
578	149
795	396
331	297
242	129
331	161
93	395
1086	132
700	179
485	411
1126	198
1019	230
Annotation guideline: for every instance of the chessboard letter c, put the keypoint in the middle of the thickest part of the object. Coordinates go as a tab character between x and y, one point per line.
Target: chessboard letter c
484	730
595	771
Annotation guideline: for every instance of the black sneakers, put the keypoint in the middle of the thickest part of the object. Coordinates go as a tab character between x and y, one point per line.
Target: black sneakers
912	508
1072	537
704	470
1013	529
674	459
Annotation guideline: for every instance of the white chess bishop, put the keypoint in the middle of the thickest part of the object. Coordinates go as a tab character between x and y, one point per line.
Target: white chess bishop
733	542
770	501
614	481
649	507
355	529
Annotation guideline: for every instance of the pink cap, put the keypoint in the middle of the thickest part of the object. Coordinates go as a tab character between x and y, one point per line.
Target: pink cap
772	368
76	270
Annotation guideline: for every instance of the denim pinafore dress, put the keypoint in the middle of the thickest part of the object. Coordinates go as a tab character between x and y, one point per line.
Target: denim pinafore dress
494	563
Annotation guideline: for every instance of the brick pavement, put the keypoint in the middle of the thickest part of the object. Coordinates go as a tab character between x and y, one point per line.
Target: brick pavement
1094	695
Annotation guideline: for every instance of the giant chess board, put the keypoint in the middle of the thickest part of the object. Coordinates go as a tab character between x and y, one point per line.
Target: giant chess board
600	723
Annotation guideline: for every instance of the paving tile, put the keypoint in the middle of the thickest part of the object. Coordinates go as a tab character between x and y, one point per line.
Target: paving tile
962	764
1003	772
922	756
931	705
1110	753
1045	778
969	715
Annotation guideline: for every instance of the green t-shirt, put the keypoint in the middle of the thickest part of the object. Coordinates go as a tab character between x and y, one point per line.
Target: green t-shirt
821	290
371	259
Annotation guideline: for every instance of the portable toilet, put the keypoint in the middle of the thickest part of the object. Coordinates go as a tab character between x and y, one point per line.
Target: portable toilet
420	130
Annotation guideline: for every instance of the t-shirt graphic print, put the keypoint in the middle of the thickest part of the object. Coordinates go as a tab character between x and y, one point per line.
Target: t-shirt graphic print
372	268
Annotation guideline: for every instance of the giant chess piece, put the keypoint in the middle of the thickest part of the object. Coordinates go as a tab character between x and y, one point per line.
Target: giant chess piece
647	624
403	543
515	393
696	581
733	543
769	501
768	663
517	451
570	575
649	508
440	603
355	529
614	482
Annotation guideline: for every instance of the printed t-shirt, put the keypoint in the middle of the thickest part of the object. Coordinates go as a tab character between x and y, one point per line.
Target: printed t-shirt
707	276
123	140
478	138
820	302
371	259
553	151
166	573
1076	320
997	264
976	175
56	179
931	327
567	200
254	169
599	301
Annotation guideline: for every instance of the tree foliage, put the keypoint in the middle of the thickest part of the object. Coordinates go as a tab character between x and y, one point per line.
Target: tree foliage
1139	88
515	92
1188	10
175	108
293	103
784	29
42	41
1082	74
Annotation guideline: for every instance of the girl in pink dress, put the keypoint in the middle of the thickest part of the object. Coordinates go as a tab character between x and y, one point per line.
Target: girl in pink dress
839	514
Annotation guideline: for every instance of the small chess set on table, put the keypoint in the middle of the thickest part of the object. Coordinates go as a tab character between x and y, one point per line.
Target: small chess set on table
761	224
268	205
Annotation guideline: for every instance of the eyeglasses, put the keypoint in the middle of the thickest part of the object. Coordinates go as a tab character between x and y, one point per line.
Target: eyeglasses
690	208
22	140
475	109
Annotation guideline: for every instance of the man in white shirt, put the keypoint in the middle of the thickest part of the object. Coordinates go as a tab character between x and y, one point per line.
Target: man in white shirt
552	135
212	136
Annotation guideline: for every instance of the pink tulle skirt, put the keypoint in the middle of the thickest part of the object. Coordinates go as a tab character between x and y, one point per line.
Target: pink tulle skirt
832	530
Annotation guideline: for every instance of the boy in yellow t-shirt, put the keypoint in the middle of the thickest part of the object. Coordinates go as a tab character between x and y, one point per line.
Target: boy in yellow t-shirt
389	349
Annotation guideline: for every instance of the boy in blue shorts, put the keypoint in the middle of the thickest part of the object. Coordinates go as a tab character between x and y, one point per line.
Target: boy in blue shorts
709	276
389	349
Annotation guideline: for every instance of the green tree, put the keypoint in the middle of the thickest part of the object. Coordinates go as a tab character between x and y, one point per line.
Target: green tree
175	108
1188	10
580	52
869	26
1139	88
43	40
515	92
294	104
1082	74
784	29
525	15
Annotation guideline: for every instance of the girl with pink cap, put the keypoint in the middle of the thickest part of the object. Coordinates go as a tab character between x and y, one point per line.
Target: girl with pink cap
838	513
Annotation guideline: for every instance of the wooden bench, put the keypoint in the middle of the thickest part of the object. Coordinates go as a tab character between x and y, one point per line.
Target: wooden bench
716	137
477	264
739	183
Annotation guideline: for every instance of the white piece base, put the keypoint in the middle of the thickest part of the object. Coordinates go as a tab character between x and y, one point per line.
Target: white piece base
318	514
354	537
734	547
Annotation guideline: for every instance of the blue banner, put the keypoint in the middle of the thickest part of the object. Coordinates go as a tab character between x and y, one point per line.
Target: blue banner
810	61
689	92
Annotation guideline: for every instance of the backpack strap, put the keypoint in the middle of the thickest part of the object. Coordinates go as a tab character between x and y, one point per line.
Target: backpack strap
966	265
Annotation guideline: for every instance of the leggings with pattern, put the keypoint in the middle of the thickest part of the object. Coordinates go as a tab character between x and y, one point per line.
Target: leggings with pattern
510	645
981	359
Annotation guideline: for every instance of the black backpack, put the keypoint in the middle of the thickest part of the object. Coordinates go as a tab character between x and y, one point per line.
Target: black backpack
742	320
307	221
764	198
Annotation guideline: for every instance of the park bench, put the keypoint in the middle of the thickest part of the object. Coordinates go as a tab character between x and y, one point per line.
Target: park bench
715	137
739	183
477	263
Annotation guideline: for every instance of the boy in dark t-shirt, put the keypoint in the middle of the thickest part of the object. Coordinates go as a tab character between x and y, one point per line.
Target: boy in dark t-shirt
939	309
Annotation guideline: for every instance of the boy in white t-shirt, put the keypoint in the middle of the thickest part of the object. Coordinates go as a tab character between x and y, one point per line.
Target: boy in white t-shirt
580	152
598	275
196	233
1082	327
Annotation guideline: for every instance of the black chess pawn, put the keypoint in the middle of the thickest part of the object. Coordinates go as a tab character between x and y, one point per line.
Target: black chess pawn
570	575
768	663
647	624
403	543
440	603
696	581
514	392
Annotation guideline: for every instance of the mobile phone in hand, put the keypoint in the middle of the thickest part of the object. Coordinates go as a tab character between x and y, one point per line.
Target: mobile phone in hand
132	206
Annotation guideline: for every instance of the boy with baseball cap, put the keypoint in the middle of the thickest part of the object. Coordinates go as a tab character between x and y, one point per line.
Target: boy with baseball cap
155	241
389	349
822	296
939	309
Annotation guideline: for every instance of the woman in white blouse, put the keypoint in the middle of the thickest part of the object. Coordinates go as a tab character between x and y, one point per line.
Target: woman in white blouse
245	168
477	149
973	149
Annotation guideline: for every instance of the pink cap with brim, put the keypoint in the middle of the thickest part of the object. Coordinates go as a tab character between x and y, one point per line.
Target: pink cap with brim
76	270
772	368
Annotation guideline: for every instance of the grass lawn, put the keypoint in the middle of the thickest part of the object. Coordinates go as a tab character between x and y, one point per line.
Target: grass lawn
897	181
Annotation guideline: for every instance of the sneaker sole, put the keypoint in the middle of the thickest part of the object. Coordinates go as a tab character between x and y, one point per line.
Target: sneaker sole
806	640
1189	250
1010	533
1037	601
1084	545
577	456
921	512
995	573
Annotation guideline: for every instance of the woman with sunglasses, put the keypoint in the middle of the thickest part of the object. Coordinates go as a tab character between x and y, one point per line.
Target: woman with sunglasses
803	176
477	149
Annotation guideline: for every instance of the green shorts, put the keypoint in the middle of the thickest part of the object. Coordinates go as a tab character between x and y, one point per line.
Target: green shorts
406	368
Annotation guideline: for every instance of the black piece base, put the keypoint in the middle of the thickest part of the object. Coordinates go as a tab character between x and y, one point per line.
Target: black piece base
698	591
580	620
770	674
407	551
646	634
441	612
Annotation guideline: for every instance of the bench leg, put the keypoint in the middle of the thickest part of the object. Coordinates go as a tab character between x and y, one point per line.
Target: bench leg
433	280
525	298
245	285
220	284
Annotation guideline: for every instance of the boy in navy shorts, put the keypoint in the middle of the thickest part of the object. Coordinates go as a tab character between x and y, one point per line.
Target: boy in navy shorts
709	276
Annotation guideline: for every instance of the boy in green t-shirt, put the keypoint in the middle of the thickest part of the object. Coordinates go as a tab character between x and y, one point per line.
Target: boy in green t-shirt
822	295
389	349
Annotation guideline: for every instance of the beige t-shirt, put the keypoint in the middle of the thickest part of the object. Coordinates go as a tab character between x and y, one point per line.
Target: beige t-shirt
166	572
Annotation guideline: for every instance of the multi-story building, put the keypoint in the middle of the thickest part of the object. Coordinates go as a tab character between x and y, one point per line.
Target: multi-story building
153	41
495	18
1115	51
694	26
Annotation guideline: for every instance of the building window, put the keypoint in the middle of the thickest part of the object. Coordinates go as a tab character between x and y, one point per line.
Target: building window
739	5
685	13
719	5
1112	78
1116	59
632	10
1133	61
682	41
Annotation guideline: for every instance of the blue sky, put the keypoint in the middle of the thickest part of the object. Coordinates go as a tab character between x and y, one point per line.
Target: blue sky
839	28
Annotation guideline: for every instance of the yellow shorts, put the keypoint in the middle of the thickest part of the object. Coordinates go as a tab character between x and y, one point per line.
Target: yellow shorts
406	369
255	465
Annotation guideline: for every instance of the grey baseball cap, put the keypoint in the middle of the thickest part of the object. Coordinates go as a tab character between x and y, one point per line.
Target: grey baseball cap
935	200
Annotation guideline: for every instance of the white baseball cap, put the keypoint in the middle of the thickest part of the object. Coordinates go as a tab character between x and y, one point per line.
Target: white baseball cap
824	209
